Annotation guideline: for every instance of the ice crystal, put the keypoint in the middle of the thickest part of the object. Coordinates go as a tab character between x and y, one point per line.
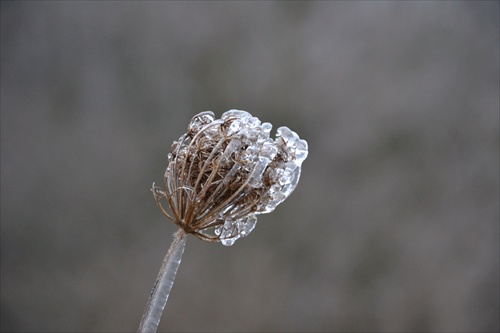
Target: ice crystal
222	173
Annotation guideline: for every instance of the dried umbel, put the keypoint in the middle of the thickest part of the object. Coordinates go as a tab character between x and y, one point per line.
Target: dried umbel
223	172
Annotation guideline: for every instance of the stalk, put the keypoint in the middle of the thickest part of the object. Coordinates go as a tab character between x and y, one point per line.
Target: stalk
163	284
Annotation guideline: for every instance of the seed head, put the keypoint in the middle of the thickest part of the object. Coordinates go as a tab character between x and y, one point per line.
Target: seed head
223	172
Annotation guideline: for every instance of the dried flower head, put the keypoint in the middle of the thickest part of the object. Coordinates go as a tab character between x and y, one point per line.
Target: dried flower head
223	172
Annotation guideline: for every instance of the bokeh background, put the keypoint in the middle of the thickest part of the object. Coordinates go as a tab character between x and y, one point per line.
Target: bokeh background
394	225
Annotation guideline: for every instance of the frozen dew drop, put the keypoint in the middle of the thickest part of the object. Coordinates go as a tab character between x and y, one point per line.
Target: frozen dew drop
234	128
218	230
250	154
253	122
234	113
200	120
266	127
275	174
231	173
228	241
290	168
258	171
301	151
292	175
229	232
288	135
274	201
245	226
233	146
269	203
206	117
269	150
253	134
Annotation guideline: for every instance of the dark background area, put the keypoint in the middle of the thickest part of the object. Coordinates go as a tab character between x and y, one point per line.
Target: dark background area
394	225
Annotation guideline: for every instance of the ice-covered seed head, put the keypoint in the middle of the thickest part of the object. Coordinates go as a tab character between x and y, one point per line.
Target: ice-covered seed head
223	172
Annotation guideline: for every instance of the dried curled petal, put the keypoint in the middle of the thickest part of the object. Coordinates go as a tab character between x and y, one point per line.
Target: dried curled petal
223	172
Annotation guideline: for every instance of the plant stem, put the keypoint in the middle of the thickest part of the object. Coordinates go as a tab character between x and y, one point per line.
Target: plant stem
163	284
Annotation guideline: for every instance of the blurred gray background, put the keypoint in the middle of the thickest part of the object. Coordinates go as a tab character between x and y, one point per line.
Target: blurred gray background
394	225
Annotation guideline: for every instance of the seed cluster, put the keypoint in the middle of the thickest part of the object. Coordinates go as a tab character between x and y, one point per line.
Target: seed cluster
223	172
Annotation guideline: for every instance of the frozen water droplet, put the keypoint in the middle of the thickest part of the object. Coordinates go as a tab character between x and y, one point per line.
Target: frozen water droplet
228	241
288	135
231	173
292	175
286	176
269	150
253	135
258	171
218	230
233	146
235	113
200	120
253	122
266	127
275	174
228	233
250	154
234	128
301	151
247	225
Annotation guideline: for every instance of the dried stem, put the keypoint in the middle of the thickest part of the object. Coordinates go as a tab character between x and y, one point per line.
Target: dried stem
163	284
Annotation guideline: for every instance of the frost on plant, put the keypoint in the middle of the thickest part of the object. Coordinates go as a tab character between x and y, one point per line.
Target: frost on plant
222	173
